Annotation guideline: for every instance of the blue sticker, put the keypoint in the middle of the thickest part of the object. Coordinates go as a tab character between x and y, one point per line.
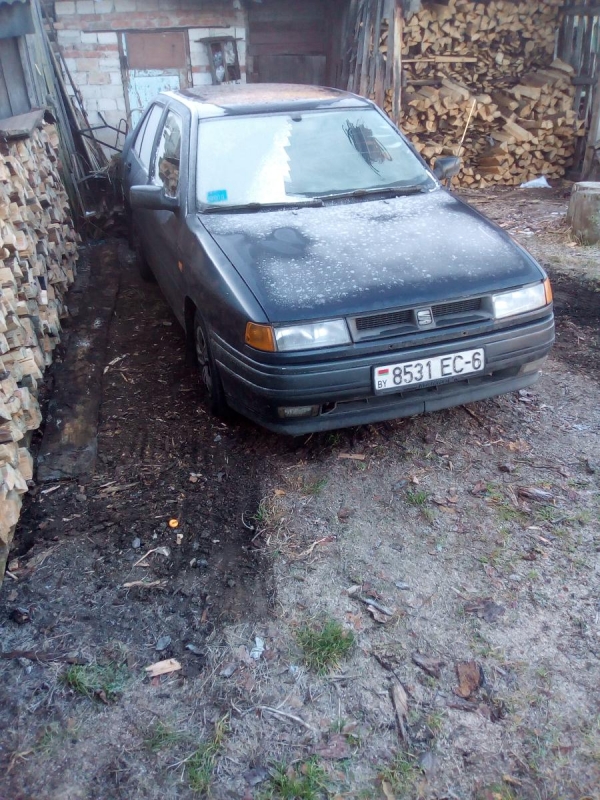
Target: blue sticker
216	197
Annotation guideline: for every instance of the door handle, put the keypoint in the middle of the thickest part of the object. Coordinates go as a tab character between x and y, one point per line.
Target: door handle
128	165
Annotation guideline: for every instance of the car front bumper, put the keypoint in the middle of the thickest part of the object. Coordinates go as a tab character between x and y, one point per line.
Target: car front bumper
342	388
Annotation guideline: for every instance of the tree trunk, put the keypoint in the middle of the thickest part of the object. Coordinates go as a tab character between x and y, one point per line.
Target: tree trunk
584	211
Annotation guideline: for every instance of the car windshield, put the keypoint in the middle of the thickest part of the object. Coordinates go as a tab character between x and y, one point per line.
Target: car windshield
293	158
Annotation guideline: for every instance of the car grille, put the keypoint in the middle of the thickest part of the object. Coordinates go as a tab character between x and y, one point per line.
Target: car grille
460	307
405	321
383	320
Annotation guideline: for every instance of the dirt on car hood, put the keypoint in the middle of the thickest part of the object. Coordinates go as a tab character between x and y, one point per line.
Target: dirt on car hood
356	257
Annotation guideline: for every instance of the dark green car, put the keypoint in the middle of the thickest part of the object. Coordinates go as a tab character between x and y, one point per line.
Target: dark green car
322	273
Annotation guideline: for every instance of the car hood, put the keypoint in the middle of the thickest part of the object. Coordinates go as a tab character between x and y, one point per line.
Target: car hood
356	257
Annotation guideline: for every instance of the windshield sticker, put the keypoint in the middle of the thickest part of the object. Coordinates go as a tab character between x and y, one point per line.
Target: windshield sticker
218	196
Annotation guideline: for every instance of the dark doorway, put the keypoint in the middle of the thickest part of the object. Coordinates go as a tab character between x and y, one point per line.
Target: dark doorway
289	41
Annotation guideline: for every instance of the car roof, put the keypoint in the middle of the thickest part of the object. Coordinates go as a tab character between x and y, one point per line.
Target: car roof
256	98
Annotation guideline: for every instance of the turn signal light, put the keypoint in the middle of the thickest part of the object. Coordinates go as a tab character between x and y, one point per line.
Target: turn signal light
260	337
548	291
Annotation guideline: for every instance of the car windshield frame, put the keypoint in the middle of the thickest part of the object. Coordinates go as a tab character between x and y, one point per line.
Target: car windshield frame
264	155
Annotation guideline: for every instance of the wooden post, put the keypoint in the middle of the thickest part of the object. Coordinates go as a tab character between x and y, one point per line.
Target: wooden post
397	57
593	136
376	77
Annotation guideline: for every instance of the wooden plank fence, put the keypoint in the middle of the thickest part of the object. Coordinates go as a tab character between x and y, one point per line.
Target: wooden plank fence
579	45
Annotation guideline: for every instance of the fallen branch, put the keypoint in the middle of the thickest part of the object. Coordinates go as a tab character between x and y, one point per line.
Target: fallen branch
35	655
368	601
309	551
164	551
400	703
286	716
145	584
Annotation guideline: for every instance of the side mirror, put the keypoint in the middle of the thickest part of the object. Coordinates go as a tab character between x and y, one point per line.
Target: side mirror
153	198
447	167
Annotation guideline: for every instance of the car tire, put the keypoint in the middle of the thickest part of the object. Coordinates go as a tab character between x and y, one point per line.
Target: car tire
140	259
208	369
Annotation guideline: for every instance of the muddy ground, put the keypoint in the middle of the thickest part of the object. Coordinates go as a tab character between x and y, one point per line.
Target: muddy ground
459	552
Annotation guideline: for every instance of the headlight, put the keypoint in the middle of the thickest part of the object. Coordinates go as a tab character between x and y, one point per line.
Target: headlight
312	335
508	304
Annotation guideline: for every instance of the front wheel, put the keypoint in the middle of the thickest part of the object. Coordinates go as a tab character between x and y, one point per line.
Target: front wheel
208	369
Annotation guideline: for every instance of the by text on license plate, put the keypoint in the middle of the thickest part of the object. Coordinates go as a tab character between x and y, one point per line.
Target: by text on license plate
426	370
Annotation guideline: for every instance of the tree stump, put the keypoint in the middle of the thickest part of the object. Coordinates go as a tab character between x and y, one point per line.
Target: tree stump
584	211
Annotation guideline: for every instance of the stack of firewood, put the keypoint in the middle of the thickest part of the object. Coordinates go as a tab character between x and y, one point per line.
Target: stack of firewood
488	68
38	251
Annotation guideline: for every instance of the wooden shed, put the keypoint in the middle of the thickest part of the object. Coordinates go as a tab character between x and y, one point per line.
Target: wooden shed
510	85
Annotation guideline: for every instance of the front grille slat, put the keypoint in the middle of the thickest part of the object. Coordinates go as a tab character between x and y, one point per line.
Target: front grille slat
383	320
459	307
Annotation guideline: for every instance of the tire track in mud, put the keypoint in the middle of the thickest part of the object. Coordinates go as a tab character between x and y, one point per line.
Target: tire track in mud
155	433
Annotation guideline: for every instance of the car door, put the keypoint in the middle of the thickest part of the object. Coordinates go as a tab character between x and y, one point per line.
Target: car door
164	227
136	169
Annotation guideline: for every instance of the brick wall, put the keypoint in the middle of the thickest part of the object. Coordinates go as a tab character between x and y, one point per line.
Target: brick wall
90	33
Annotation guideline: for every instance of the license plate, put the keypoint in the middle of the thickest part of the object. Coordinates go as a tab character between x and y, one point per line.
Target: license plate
438	369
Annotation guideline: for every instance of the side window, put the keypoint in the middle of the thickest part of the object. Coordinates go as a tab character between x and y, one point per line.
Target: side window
146	136
137	144
168	154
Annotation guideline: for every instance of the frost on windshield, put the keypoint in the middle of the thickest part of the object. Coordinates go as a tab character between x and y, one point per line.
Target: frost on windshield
224	160
286	158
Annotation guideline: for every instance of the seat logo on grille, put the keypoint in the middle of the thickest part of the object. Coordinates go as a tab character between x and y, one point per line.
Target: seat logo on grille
424	317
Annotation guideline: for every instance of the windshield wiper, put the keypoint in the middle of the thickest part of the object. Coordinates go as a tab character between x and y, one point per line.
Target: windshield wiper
394	191
212	209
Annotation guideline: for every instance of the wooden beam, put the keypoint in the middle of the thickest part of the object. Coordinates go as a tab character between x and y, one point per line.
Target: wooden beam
397	57
442	60
580	11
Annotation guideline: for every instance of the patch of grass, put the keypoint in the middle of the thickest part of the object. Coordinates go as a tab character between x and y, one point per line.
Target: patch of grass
547	513
52	736
592	741
401	775
263	512
497	791
508	513
494	492
583	518
306	781
160	737
540	747
324	646
419	498
347	729
97	681
201	764
435	721
429	515
314	488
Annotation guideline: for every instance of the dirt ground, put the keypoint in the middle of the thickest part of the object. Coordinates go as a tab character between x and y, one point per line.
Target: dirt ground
458	551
